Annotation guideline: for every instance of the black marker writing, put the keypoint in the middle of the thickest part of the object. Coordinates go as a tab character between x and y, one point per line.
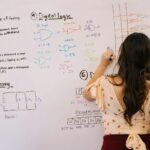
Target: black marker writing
50	16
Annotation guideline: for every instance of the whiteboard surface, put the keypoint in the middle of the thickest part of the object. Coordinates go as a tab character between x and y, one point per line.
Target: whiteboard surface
48	52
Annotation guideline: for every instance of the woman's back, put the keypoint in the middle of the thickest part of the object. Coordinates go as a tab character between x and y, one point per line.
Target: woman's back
119	88
124	99
109	99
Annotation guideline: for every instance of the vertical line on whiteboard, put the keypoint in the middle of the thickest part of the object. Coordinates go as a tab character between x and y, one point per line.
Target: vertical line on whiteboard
120	21
127	18
114	28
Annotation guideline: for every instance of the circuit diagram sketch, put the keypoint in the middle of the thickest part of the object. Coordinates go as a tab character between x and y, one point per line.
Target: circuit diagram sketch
19	101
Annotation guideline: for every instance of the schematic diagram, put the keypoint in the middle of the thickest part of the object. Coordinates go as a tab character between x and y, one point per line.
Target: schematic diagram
19	101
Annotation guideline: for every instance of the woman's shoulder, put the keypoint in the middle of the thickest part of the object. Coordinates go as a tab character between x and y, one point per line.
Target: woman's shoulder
114	79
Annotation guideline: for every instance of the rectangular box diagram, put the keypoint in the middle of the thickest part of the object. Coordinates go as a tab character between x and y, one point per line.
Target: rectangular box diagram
17	101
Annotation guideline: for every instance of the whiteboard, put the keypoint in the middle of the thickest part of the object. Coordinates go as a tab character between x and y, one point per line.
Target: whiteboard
48	52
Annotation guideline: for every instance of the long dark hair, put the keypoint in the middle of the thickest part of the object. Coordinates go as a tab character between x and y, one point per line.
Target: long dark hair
134	59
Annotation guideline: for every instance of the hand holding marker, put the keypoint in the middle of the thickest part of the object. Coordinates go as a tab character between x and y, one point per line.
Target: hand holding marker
112	56
107	57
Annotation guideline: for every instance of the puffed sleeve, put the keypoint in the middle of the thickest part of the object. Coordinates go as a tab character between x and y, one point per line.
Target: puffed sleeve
97	92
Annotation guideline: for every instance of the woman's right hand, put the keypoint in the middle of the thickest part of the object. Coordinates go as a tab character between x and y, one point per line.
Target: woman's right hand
107	57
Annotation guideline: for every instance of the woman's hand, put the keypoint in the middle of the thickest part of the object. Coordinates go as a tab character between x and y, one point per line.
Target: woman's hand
107	57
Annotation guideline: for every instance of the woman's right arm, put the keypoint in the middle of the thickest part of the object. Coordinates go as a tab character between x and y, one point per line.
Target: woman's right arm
98	73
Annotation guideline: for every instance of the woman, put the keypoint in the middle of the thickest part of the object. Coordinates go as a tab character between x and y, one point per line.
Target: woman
124	99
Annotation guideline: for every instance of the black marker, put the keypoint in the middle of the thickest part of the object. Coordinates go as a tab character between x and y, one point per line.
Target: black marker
110	58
